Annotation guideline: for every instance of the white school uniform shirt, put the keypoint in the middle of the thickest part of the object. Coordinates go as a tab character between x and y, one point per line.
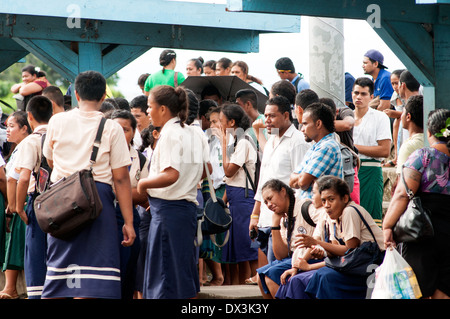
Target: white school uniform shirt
69	141
280	158
244	153
375	126
135	168
183	149
216	157
30	154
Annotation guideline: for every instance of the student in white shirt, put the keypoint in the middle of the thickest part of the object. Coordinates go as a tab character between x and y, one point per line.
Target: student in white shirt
68	151
176	167
137	170
238	150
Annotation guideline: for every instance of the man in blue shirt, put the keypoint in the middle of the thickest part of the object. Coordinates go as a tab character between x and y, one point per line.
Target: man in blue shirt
373	66
286	71
324	157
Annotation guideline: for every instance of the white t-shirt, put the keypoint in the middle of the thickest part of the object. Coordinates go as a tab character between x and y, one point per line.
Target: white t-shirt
375	126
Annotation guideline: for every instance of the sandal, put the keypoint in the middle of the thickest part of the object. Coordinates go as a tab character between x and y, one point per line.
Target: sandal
389	164
250	281
4	295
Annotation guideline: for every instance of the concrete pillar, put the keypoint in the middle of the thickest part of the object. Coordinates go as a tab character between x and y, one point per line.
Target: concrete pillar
326	58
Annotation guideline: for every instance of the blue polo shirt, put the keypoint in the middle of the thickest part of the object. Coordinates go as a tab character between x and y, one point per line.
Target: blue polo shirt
383	86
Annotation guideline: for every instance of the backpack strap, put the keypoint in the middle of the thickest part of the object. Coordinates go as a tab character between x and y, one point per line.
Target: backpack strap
305	213
142	160
175	79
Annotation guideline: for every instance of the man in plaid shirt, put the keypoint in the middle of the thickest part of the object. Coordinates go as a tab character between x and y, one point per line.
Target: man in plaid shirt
324	157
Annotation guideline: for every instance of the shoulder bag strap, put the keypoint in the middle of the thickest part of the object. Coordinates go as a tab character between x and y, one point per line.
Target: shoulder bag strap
408	191
97	141
365	223
175	79
305	213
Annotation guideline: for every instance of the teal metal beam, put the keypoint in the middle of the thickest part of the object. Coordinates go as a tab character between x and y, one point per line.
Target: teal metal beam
127	33
413	45
120	56
53	53
153	11
10	53
85	56
399	10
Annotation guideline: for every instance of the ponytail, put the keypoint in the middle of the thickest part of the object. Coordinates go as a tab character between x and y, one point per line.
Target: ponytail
175	99
182	105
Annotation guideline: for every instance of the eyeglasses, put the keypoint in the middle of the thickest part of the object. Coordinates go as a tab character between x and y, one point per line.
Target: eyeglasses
284	71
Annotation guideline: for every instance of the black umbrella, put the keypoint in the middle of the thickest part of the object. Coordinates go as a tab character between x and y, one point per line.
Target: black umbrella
226	85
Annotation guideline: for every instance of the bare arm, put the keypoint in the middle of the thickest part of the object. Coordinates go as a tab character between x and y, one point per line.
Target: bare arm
21	193
164	179
381	150
346	124
122	186
30	88
384	105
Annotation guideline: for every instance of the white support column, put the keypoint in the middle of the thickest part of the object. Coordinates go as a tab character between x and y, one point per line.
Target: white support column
326	58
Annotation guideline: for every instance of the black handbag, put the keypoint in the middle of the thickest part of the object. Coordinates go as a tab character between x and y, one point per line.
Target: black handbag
73	202
214	218
357	261
414	225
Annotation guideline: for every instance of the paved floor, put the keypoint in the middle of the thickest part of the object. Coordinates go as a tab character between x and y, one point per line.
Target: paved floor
230	292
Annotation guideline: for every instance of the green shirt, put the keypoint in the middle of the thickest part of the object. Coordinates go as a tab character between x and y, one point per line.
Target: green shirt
160	78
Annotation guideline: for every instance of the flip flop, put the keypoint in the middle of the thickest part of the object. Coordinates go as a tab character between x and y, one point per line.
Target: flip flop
4	295
389	164
250	281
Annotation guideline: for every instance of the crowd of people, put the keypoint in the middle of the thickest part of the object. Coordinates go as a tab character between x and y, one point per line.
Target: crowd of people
302	180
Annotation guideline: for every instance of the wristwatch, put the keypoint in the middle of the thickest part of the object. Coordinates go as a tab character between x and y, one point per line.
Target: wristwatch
275	228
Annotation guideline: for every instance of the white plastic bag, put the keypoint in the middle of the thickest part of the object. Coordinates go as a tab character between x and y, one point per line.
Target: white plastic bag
395	279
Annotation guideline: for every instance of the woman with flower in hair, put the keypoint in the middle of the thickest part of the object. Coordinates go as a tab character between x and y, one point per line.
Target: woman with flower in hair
426	173
166	76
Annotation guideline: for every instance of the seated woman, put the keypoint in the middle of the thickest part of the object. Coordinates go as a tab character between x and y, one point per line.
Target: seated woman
426	175
343	224
288	221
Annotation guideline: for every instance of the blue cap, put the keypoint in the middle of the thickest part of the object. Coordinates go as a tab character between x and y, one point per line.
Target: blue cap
376	56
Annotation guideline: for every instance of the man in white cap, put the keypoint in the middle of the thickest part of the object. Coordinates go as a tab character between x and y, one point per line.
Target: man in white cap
373	66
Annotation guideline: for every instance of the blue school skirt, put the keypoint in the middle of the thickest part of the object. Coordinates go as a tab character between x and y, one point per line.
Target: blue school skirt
295	286
328	283
144	226
128	255
171	267
35	253
274	270
239	246
87	265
